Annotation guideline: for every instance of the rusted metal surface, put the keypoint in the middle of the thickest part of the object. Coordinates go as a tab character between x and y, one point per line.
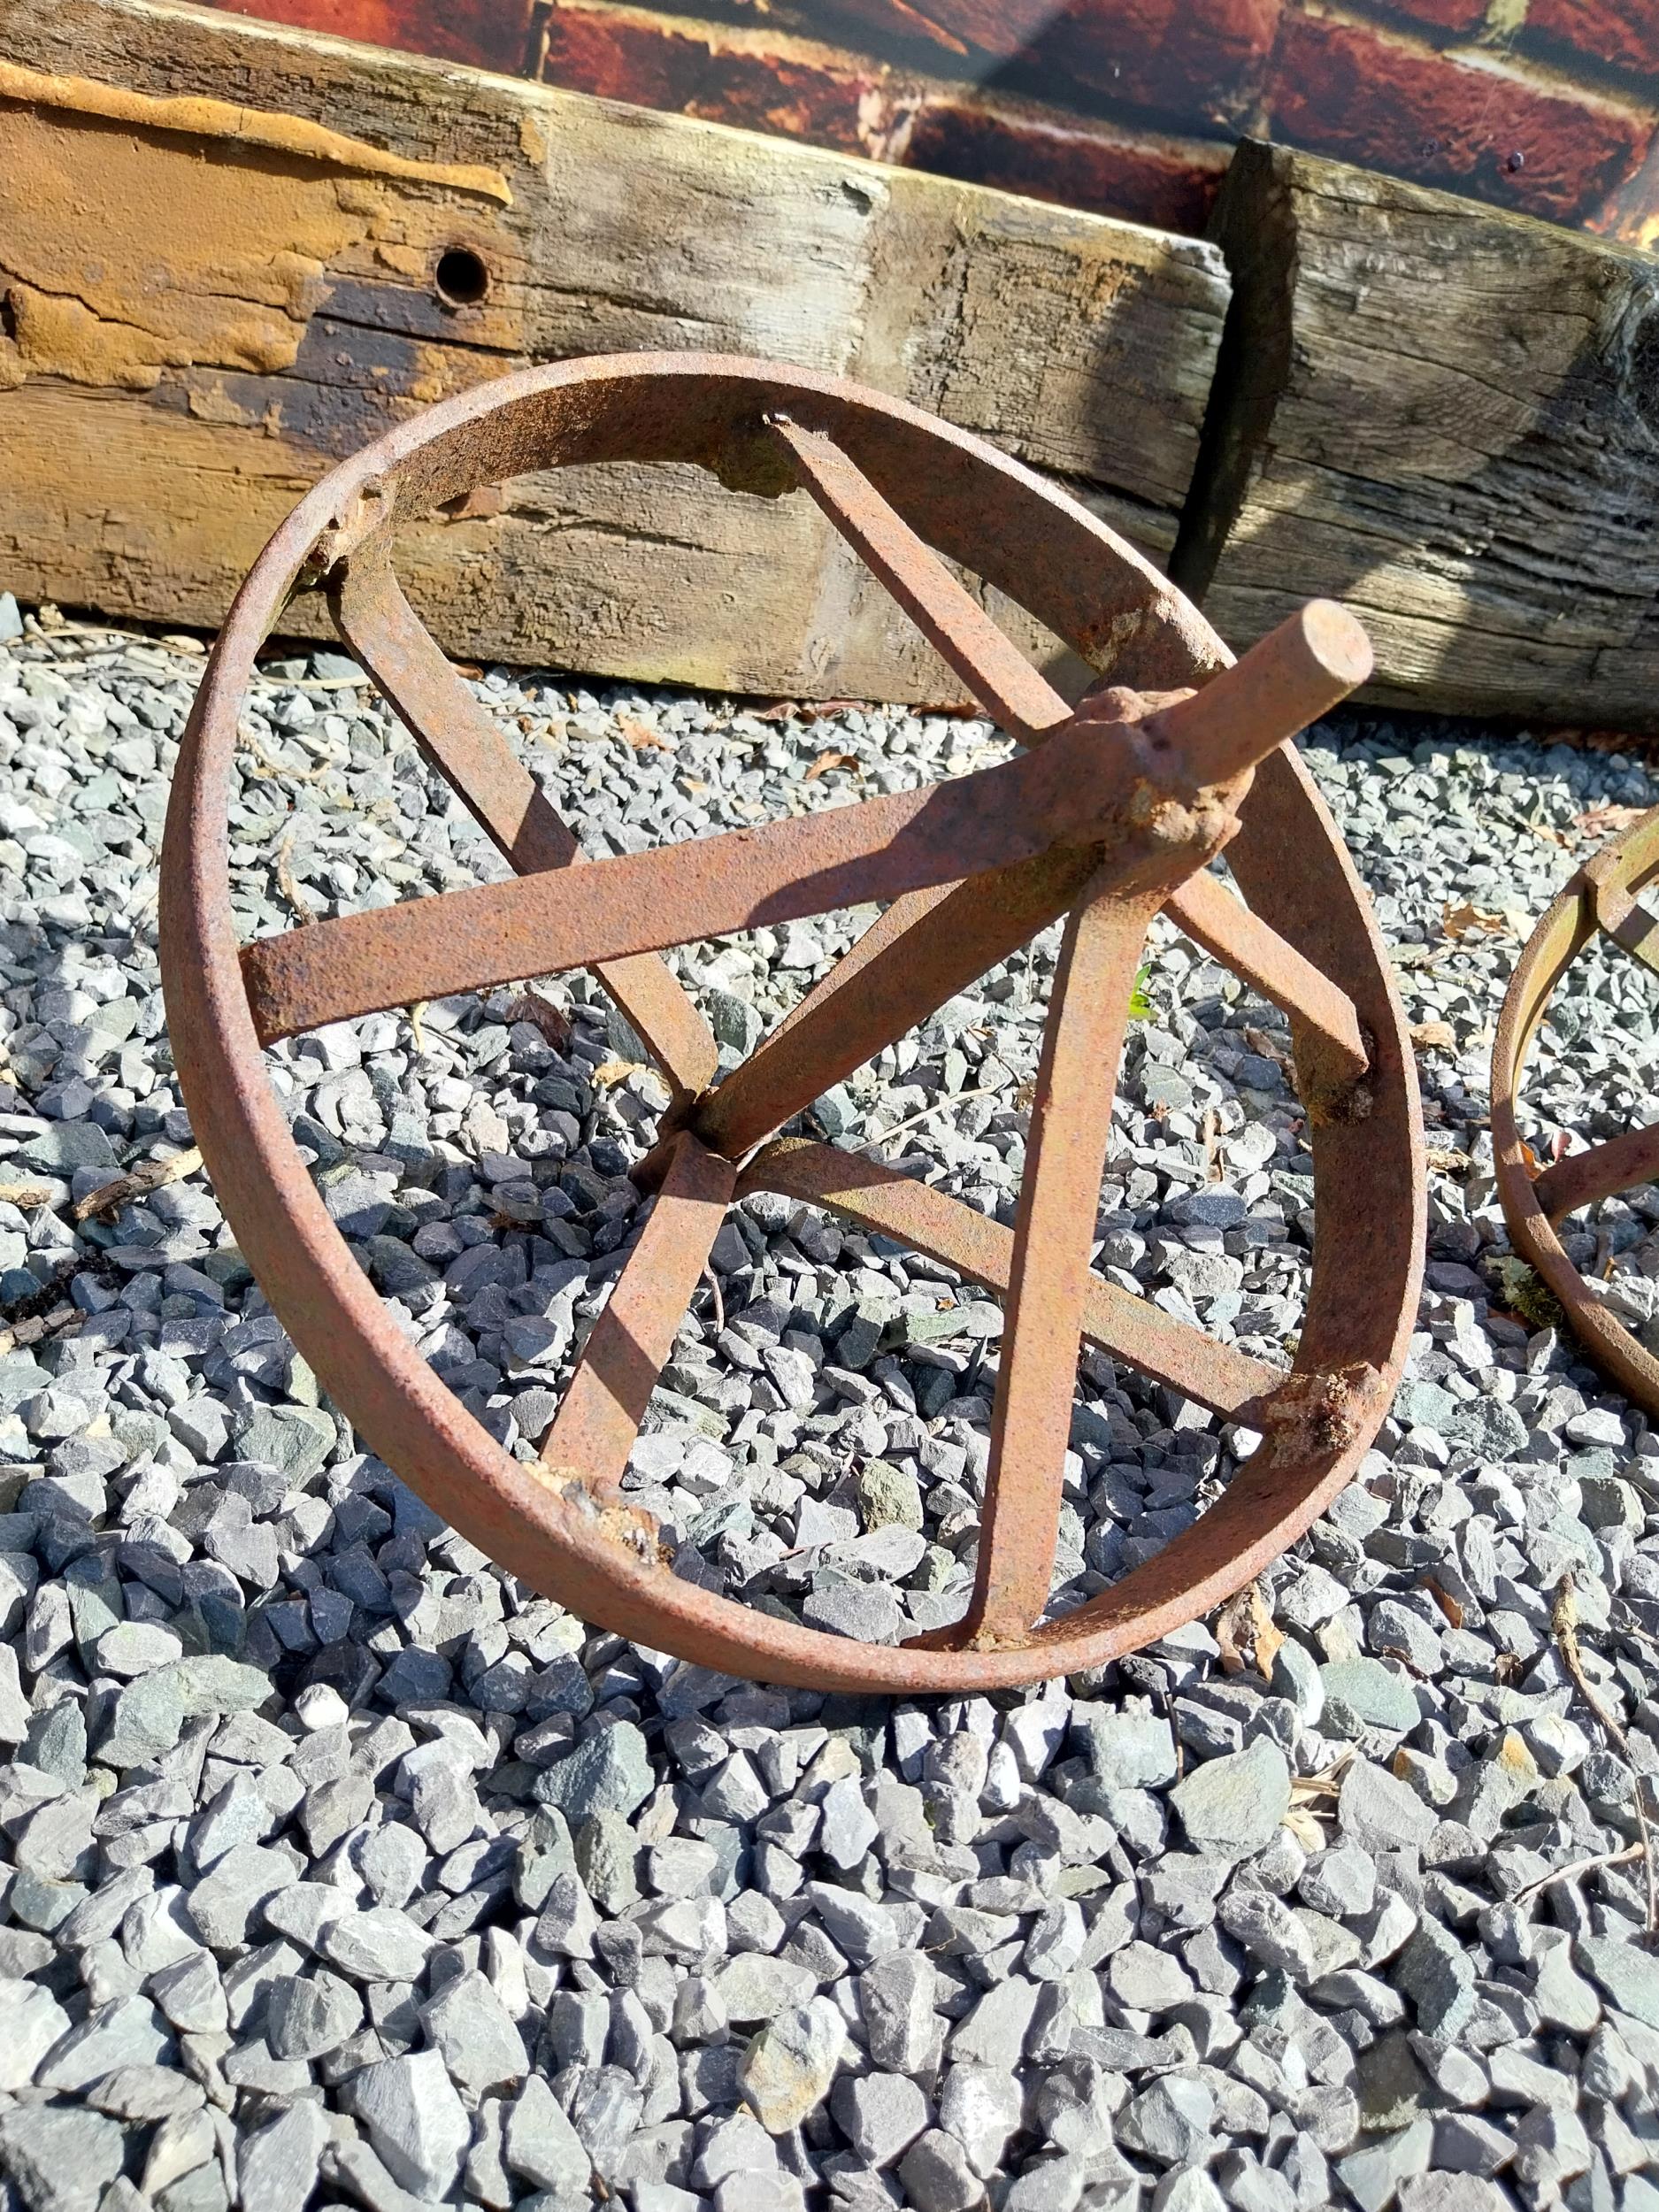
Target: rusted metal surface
1116	810
1260	957
1138	804
1601	896
596	1424
1048	1277
874	1196
457	737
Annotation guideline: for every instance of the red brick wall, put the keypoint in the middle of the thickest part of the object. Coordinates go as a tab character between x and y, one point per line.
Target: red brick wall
488	34
1127	106
1471	119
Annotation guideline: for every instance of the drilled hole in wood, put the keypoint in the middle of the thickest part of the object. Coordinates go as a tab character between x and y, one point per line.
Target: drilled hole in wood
461	277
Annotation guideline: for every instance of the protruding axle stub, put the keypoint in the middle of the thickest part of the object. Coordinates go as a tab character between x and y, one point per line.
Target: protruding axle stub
1095	831
1297	672
1175	775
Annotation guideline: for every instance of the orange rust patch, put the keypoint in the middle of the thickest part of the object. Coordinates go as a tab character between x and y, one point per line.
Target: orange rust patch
1328	1409
630	1527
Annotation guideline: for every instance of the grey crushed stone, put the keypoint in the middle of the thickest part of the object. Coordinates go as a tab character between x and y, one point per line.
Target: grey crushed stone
415	2118
58	2157
276	2165
341	1868
1233	1805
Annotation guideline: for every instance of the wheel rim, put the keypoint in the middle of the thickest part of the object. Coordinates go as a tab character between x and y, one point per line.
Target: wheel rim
1601	897
585	1549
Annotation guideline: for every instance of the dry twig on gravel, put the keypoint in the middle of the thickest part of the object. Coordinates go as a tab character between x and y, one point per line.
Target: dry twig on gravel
1564	1620
153	1175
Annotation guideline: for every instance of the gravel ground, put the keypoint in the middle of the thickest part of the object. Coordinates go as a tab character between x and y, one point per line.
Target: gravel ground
345	1871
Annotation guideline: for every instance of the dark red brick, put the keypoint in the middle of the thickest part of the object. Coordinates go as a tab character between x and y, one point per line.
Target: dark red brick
749	78
1194	62
1451	16
1068	73
487	34
764	81
1622	34
1001	28
1475	123
1169	183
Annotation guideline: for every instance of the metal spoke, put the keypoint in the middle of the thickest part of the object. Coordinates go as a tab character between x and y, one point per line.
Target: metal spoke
1224	927
954	623
1070	794
604	1402
1629	923
902	971
927	946
1582	1178
458	738
1131	1329
1059	1199
1288	679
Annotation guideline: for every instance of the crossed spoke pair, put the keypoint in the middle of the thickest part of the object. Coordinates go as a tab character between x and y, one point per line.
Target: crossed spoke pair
1112	813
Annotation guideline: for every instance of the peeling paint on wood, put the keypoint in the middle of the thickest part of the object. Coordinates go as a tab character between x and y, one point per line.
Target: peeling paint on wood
267	297
199	119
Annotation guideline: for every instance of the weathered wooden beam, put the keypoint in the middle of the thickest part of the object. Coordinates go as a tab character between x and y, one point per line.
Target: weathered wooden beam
230	253
1448	417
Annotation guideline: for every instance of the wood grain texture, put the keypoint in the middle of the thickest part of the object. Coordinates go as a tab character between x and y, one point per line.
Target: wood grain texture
1447	417
265	211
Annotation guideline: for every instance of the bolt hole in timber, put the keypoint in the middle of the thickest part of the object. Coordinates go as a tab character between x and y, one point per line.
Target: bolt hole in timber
461	277
1106	814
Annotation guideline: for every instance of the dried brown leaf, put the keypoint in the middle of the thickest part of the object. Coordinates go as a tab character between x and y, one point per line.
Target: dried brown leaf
1231	1625
1269	1048
1434	1036
1245	1631
1267	1637
530	1006
1444	1599
1212	1146
825	762
26	1196
807	709
1606	820
1465	920
285	882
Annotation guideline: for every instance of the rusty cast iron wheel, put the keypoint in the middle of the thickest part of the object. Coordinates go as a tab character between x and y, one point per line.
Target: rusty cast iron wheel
1113	815
1601	896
